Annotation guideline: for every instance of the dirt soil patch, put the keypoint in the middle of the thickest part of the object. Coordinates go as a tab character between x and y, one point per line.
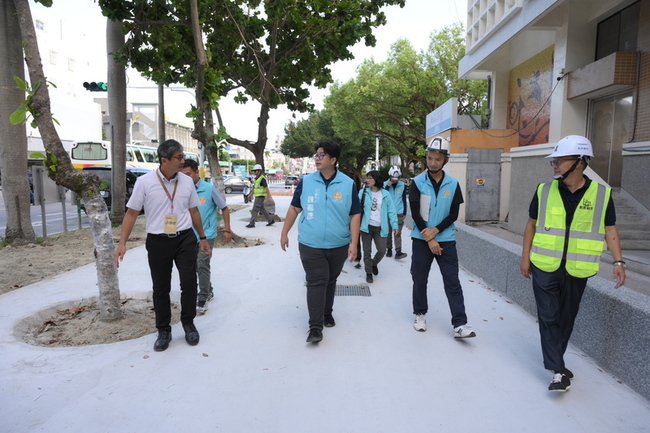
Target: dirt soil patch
79	324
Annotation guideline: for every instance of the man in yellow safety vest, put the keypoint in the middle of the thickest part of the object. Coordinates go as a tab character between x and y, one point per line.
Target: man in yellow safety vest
261	193
570	218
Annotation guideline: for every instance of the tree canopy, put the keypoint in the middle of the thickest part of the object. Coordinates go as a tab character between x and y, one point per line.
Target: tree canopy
267	51
392	99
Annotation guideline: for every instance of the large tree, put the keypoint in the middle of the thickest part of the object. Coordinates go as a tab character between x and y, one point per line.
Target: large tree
13	150
391	99
267	51
60	169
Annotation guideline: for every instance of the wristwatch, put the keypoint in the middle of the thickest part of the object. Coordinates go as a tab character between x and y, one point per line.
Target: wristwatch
619	263
202	238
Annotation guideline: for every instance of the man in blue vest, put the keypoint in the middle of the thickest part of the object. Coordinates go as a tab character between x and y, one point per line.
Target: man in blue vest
569	220
261	192
397	190
435	199
210	201
330	214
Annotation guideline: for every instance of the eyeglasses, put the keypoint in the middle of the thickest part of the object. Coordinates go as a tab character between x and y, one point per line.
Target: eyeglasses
181	156
557	162
319	155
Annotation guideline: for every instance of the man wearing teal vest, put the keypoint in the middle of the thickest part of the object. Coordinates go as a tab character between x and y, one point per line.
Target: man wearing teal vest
397	190
570	218
327	206
261	193
435	199
210	201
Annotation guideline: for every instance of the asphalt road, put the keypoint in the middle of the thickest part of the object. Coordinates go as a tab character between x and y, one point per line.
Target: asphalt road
54	218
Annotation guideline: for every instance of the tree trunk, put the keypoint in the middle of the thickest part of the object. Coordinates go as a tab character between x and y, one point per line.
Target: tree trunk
117	112
61	171
13	151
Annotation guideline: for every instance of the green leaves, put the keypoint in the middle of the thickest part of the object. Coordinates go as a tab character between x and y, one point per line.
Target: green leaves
21	115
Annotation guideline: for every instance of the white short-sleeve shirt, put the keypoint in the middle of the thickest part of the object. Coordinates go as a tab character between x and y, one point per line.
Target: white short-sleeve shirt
148	194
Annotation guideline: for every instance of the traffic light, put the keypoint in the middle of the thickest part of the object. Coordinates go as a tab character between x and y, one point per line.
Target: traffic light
96	86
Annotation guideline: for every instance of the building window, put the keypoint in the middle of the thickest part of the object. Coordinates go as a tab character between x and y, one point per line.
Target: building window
53	57
40	25
618	32
71	64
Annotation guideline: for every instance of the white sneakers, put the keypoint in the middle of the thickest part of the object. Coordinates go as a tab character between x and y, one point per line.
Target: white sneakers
464	331
420	323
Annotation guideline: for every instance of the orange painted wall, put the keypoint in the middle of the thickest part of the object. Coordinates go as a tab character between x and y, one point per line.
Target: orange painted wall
462	139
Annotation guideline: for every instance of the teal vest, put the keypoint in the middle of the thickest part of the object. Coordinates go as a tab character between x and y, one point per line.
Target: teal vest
440	205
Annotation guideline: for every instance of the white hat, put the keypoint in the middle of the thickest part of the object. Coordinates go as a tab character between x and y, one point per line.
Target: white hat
257	167
395	171
439	144
573	145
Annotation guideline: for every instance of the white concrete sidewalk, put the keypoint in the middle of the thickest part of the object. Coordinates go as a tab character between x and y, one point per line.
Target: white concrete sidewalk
254	372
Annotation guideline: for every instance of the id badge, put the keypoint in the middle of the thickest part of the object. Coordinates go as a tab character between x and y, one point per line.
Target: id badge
170	224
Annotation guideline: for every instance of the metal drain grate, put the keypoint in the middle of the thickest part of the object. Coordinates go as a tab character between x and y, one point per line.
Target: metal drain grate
347	290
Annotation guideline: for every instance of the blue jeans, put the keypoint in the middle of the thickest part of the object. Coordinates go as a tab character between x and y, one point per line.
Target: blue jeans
322	268
448	264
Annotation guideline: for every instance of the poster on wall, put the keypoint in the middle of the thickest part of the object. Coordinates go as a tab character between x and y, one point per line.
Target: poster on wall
529	104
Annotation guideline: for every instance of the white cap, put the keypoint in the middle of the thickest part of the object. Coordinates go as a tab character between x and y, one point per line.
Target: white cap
257	167
395	171
439	144
573	145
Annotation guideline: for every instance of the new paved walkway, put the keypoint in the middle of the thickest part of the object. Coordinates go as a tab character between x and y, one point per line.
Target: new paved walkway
253	371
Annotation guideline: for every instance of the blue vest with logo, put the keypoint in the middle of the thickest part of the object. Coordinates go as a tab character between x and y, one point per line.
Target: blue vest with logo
397	194
325	217
208	209
440	205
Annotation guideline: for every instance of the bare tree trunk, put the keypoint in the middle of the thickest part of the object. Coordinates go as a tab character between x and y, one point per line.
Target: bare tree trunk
61	171
13	151
117	112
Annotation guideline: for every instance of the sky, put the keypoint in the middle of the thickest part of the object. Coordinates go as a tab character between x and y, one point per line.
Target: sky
416	21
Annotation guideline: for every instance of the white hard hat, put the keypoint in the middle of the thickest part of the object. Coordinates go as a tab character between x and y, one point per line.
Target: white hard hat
395	171
439	144
257	167
573	145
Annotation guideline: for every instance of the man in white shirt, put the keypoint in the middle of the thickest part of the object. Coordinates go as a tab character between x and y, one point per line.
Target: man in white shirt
170	201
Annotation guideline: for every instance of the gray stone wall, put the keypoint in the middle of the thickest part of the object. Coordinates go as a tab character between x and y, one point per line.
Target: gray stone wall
527	173
636	177
613	326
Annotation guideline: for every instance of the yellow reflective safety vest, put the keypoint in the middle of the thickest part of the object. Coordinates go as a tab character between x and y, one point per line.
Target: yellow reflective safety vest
258	189
582	242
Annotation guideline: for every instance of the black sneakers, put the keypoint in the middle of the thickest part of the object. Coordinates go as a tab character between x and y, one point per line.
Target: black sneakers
315	335
369	278
375	270
400	255
560	383
270	223
328	321
389	253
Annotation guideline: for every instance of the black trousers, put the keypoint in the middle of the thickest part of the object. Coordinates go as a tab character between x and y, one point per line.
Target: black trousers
421	261
163	253
558	297
322	268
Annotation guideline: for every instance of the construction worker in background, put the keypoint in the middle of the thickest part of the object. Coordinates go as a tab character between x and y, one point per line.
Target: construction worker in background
261	193
397	190
569	220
